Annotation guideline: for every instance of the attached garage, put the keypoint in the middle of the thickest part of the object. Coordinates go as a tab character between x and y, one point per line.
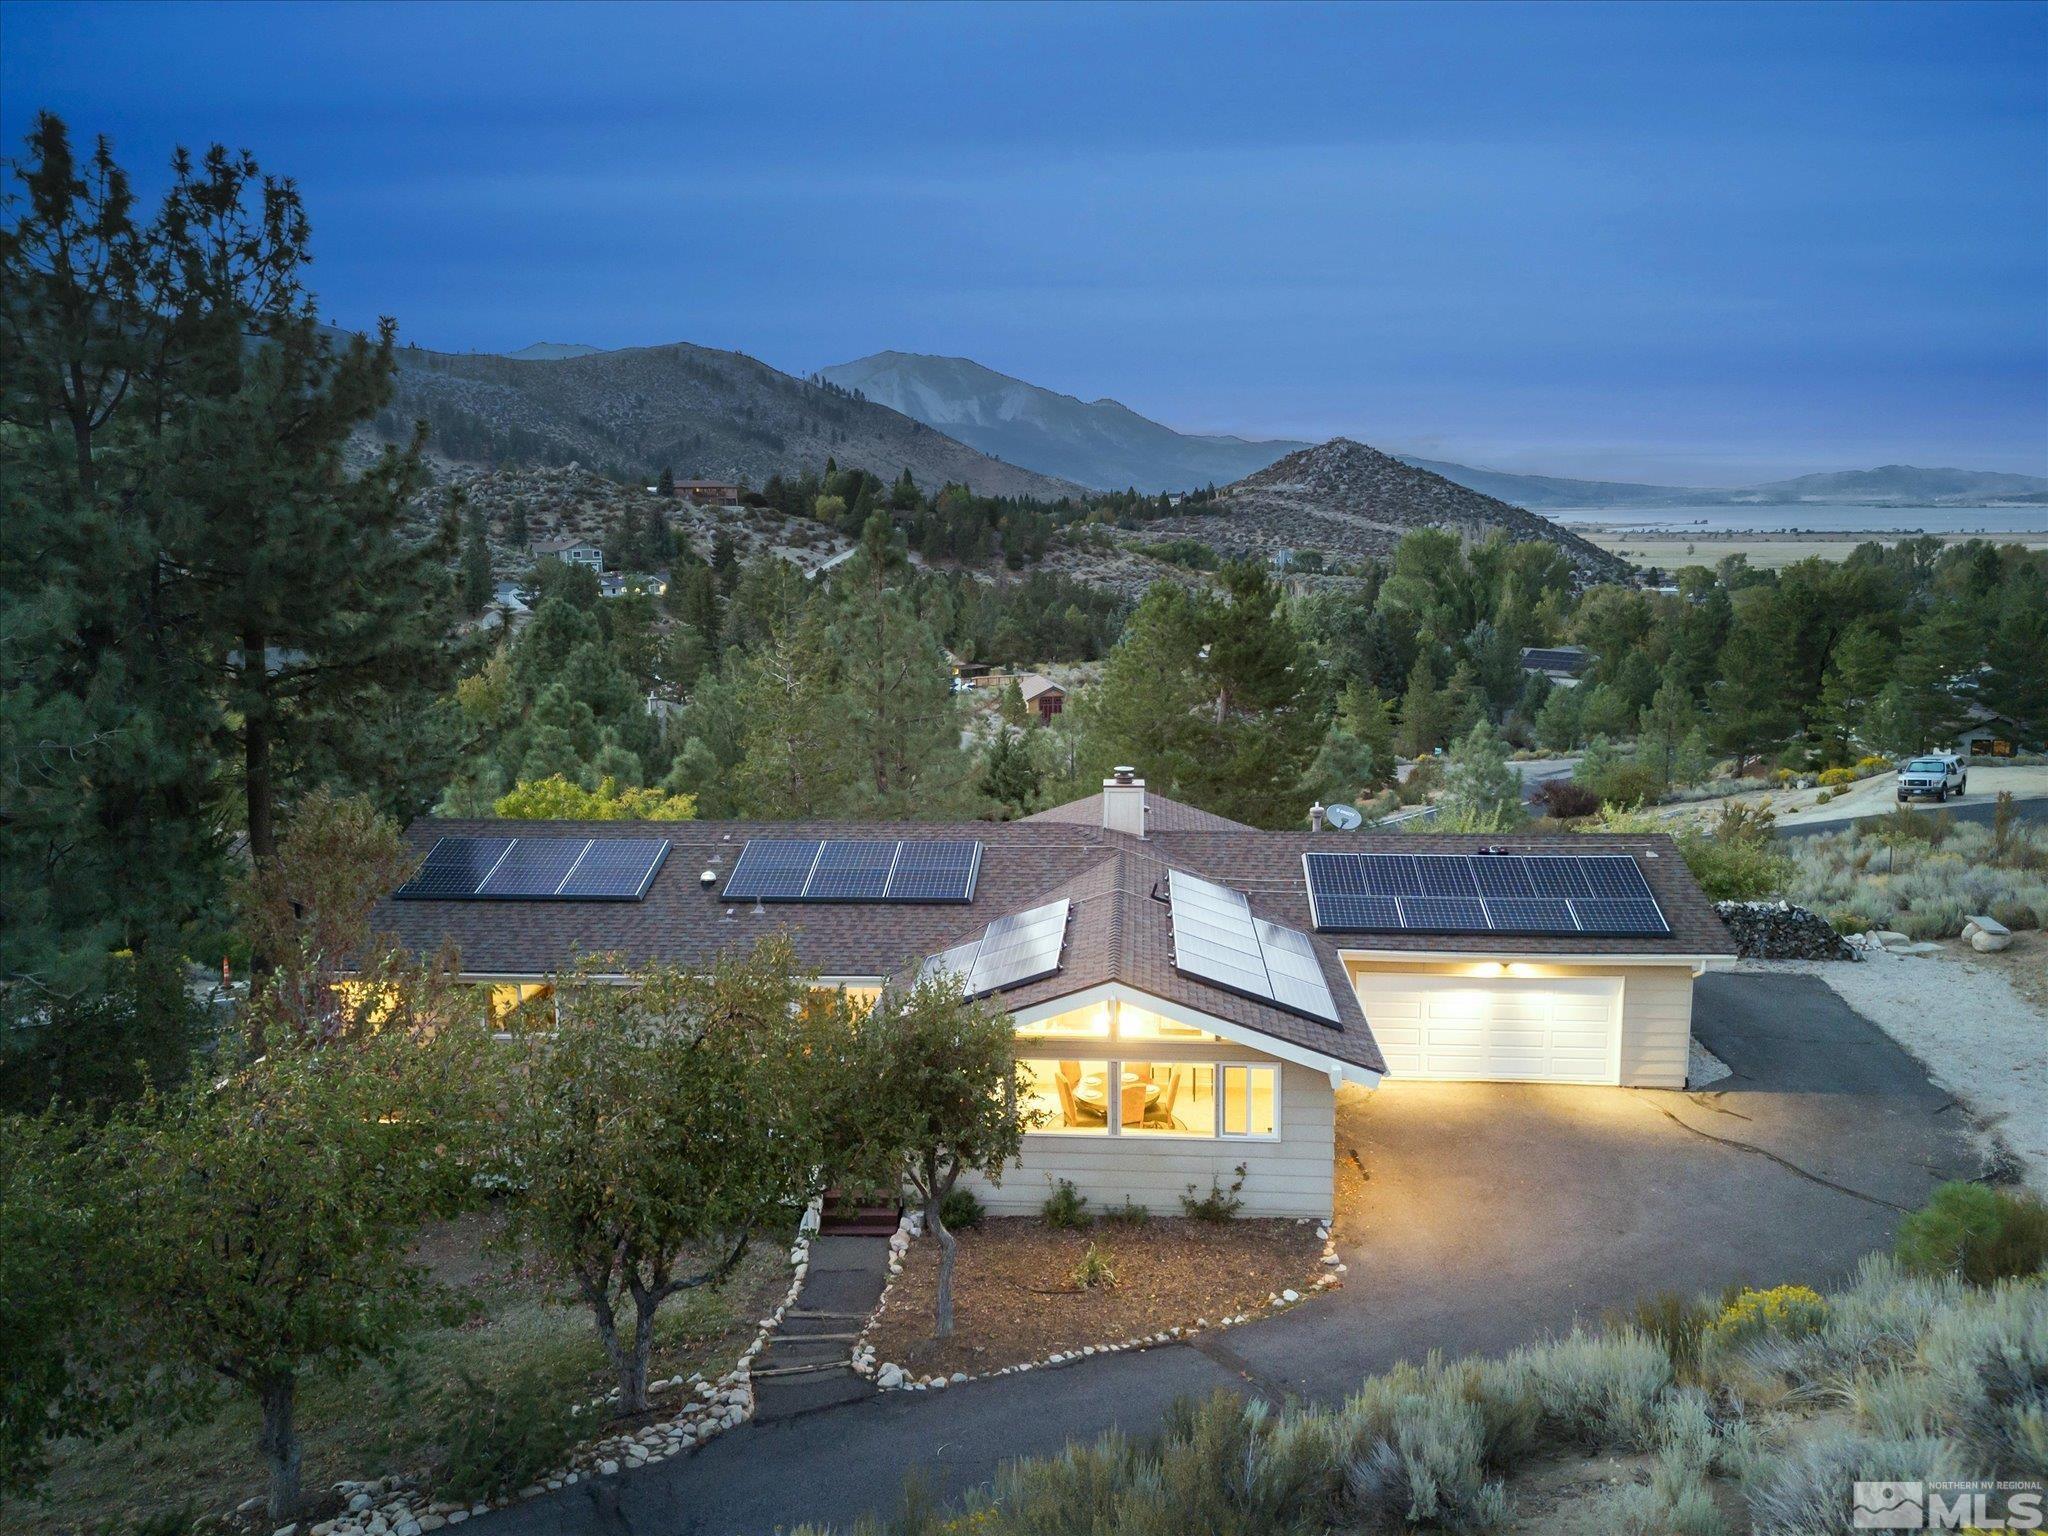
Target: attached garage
1528	1021
1561	1030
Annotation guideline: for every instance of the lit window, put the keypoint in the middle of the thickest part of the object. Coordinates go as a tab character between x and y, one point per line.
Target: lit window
1064	1097
1167	1098
1134	1023
1251	1101
862	998
531	1001
1090	1022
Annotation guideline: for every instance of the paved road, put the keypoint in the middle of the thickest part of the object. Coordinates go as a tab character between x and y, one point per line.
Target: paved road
1535	773
1973	807
1473	1217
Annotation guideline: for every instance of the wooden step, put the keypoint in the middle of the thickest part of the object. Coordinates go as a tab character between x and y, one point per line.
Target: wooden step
760	1373
811	1338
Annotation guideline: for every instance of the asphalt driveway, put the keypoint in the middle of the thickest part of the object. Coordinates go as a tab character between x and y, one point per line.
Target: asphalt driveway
1473	1216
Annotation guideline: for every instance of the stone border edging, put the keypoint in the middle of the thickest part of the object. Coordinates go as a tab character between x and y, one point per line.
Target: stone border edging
890	1377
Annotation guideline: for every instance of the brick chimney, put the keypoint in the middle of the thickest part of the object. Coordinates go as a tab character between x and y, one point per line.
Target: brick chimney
1123	802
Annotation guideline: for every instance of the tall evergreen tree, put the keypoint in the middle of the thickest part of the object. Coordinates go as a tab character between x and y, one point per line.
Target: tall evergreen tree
478	585
897	708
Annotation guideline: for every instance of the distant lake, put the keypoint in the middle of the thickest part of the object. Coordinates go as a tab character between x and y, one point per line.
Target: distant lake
1791	518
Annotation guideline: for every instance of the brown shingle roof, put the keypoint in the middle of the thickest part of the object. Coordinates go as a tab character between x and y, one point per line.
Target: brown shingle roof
1161	815
1118	931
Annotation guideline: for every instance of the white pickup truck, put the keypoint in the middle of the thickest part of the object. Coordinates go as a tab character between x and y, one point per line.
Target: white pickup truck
1934	777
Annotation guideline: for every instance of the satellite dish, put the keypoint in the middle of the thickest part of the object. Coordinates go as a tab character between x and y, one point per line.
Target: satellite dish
1344	818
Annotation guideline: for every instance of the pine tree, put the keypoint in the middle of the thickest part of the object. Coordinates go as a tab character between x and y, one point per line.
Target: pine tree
896	705
1750	715
517	534
1665	722
1480	789
666	485
2017	684
1425	711
478	586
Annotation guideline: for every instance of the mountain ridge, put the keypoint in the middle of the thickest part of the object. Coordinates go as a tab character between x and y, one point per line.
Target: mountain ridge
704	413
1101	443
1349	499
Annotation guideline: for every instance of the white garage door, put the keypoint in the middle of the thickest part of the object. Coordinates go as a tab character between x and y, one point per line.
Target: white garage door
1548	1031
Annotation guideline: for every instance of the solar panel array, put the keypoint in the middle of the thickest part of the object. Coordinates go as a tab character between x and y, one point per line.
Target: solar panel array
1216	939
848	869
1024	946
1603	894
537	869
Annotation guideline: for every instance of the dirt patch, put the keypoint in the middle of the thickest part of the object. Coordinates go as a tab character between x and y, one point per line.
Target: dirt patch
1015	1298
1978	1022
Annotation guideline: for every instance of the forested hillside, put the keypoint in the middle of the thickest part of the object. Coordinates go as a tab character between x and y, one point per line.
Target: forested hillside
701	413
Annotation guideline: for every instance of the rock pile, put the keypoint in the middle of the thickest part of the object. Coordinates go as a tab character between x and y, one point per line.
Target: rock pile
1777	930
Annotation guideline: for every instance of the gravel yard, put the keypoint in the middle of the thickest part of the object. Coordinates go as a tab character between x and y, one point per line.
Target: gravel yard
1979	1022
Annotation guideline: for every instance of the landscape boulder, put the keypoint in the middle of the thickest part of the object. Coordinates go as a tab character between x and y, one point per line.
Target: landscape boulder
1777	930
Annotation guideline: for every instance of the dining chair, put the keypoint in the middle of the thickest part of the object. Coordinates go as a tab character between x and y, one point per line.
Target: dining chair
1133	1101
1162	1112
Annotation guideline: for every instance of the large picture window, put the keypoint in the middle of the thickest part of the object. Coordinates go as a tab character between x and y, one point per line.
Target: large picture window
1069	1097
1076	1096
1167	1098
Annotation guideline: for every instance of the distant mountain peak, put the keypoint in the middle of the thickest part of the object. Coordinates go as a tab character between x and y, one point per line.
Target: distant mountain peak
1348	499
1101	443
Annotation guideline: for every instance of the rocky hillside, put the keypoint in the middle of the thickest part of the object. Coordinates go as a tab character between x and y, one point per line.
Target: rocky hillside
1349	500
706	414
1097	442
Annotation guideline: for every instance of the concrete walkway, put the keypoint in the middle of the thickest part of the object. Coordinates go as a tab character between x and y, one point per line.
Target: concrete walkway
1473	1216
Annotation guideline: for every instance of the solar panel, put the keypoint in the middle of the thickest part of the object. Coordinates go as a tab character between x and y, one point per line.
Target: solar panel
1014	949
772	869
1501	875
1559	876
1539	914
538	869
1294	970
935	871
1599	914
615	869
851	871
533	867
454	868
1614	877
1444	914
1216	939
1020	947
1446	876
1482	893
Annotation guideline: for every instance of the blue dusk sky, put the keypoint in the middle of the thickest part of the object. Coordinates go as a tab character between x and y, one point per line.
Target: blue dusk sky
1703	245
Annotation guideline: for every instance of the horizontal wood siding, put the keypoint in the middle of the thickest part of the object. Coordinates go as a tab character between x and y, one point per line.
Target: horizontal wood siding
1292	1176
1656	1026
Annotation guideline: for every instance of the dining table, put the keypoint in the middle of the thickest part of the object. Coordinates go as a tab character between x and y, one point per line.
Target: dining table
1092	1092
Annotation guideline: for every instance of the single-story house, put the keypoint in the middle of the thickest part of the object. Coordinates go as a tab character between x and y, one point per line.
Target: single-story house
1990	734
570	552
1042	694
709	493
1564	665
1188	993
618	584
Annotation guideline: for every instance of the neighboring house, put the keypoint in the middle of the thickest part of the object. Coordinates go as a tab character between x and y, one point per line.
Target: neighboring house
1564	665
709	493
1990	734
616	584
1042	694
570	552
1188	993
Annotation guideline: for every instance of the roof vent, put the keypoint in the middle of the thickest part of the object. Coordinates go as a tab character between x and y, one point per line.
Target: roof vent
708	879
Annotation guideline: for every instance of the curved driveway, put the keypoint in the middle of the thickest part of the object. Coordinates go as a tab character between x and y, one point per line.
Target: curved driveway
1473	1216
